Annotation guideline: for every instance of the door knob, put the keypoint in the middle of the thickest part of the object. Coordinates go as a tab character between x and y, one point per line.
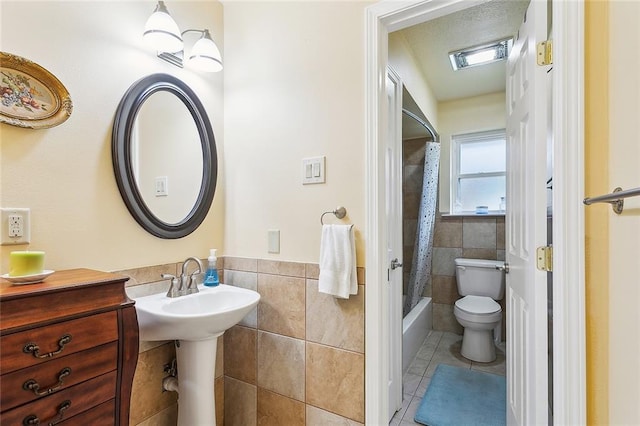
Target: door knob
504	268
395	264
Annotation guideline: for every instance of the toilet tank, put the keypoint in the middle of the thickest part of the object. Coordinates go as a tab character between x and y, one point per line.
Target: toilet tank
480	277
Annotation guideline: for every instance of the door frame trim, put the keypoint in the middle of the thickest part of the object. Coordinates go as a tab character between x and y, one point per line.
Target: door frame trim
568	233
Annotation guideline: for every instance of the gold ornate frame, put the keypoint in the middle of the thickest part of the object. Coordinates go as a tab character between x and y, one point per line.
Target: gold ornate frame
30	96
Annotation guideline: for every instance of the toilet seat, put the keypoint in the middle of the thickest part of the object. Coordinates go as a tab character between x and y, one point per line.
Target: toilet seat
478	305
477	310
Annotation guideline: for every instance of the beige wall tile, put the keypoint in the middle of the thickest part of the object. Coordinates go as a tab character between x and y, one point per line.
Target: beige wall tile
278	410
312	271
147	274
219	370
335	322
247	280
479	232
445	289
335	380
316	416
500	255
410	206
442	260
409	230
219	397
447	234
413	151
240	403
241	264
147	392
281	365
479	253
500	234
444	320
166	417
240	353
412	179
282	305
276	267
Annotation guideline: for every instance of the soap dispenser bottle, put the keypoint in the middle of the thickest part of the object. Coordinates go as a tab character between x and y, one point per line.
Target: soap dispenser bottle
211	278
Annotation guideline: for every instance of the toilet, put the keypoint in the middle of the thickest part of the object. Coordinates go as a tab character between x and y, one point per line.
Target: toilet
481	284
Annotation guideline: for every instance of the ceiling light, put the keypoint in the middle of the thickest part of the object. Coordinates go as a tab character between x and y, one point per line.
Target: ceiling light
163	34
481	55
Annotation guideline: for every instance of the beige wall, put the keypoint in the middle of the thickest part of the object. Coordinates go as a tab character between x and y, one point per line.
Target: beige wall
296	91
64	174
624	235
402	60
475	114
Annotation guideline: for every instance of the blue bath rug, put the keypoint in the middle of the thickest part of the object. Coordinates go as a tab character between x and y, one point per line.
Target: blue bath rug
460	396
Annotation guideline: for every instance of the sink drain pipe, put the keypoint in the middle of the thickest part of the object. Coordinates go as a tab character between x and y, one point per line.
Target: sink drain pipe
170	382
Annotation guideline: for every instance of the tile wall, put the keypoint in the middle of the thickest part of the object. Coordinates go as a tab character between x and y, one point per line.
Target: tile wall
468	236
298	359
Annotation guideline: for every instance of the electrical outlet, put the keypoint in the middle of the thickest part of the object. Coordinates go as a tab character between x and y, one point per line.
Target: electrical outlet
15	226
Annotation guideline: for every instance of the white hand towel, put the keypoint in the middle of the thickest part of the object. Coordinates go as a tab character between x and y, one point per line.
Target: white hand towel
338	261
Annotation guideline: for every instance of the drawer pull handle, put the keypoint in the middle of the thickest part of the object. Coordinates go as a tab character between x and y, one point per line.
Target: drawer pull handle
34	349
32	384
33	420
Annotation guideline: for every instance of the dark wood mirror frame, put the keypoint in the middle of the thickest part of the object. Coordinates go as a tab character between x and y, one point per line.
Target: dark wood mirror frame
123	125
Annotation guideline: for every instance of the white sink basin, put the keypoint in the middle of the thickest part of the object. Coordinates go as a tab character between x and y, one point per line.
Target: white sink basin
198	316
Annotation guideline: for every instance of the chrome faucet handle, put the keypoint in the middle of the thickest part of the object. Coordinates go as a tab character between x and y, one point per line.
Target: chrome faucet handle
187	281
174	290
192	285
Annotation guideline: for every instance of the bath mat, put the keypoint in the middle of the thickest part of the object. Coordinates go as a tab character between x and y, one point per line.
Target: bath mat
460	396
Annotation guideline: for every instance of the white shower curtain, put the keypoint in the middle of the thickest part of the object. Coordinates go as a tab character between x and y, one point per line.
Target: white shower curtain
421	267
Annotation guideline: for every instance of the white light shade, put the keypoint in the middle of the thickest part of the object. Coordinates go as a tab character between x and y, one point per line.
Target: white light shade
161	32
205	55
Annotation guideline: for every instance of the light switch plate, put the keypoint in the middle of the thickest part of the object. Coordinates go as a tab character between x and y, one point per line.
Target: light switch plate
274	240
313	170
15	227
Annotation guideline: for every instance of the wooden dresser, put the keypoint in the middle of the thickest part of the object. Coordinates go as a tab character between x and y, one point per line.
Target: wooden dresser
68	350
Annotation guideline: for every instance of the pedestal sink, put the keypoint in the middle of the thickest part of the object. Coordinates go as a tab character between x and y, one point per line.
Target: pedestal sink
195	321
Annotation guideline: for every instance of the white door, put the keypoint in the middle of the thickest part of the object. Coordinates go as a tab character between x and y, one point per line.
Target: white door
393	170
527	364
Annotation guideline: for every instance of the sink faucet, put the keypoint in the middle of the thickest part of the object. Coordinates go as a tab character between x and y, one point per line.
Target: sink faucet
188	282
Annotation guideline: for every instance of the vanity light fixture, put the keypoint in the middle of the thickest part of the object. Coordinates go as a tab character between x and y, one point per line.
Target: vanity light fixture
481	55
163	34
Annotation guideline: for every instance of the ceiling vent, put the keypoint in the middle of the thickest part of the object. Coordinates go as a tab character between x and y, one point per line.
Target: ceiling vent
481	55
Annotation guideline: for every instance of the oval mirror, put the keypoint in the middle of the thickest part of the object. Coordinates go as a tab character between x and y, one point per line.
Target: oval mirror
164	156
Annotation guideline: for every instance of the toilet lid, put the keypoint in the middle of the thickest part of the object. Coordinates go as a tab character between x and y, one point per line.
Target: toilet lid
478	305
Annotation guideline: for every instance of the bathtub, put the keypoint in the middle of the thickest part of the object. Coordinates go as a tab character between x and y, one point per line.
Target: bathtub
415	328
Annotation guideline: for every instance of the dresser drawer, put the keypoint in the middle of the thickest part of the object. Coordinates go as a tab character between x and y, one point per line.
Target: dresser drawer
102	415
31	347
56	375
77	399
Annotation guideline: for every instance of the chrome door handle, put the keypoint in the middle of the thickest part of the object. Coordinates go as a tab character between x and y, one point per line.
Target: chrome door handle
395	264
504	268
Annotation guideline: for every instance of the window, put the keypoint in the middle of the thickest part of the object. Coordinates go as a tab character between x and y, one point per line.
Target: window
478	171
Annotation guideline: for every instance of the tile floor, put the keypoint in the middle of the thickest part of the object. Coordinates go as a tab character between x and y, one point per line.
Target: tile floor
438	348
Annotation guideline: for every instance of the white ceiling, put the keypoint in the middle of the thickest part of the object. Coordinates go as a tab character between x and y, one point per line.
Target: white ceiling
432	41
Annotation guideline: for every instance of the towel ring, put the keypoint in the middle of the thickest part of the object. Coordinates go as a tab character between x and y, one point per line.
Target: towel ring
339	212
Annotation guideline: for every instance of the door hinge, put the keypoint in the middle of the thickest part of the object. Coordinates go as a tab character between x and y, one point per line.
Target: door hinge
544	258
544	51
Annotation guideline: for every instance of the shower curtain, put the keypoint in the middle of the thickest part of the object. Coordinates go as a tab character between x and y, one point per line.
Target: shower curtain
421	267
